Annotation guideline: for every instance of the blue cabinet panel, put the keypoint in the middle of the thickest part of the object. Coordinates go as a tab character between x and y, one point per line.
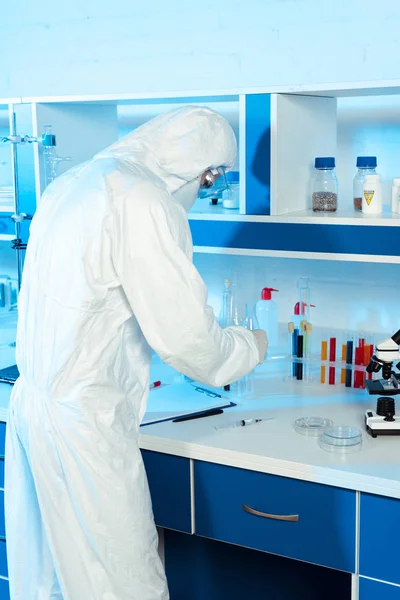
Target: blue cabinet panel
380	547
2	450
296	237
4	590
201	569
3	559
169	483
324	533
2	519
258	154
2	438
377	590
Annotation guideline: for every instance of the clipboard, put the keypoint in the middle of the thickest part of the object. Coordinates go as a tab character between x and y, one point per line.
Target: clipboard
178	400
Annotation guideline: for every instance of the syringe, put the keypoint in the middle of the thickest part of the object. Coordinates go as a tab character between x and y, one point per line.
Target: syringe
242	423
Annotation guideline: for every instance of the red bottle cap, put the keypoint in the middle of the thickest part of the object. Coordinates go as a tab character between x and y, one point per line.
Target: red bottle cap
296	309
266	293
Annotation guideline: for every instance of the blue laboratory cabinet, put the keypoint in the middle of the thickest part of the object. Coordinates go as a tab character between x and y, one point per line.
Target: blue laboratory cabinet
377	590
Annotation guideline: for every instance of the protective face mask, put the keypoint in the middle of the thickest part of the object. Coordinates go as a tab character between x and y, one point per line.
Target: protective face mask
187	194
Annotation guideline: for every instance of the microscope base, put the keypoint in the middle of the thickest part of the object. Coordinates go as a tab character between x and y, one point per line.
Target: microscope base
377	425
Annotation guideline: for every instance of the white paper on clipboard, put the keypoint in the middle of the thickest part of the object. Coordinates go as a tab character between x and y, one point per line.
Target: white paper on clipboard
172	401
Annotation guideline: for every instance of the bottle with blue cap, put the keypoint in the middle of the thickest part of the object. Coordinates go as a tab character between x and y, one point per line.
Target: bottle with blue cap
325	185
366	165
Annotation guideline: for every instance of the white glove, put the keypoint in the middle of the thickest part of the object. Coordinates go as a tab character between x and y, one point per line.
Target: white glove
262	343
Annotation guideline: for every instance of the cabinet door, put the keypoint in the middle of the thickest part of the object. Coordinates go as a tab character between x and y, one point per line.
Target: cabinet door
379	546
3	559
4	590
169	483
377	590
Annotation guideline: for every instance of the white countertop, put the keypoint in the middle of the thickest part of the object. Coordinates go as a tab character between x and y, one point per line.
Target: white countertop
273	446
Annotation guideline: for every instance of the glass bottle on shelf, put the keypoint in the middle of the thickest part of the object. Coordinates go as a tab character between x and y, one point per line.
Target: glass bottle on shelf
325	185
366	165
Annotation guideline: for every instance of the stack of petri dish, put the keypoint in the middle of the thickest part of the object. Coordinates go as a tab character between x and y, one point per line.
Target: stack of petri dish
339	439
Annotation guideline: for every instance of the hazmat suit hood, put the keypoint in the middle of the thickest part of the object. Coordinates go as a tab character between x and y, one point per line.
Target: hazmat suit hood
178	146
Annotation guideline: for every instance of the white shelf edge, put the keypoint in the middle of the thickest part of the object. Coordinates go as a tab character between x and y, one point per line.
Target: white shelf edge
335	89
5	237
5	101
306	219
368	258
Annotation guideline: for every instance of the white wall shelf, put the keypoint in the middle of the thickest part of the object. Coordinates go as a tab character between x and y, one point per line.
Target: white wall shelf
280	131
290	254
344	89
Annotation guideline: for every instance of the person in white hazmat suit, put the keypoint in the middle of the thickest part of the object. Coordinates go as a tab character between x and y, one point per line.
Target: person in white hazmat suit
109	276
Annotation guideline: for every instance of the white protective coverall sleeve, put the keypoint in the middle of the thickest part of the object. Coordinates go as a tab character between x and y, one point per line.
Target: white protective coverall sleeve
153	255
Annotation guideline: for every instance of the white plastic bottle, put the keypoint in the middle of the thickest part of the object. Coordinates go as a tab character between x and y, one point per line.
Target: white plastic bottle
372	195
267	316
396	195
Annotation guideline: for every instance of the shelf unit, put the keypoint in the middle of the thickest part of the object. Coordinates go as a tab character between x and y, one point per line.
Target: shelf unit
280	131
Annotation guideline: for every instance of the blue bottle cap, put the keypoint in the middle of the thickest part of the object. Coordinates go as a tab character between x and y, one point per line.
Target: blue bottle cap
48	139
232	176
366	162
325	162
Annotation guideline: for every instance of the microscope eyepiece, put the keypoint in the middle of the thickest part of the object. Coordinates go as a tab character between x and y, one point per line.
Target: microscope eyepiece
396	337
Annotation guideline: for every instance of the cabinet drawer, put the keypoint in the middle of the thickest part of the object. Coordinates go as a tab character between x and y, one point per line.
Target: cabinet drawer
4	590
379	538
377	590
169	483
324	533
3	560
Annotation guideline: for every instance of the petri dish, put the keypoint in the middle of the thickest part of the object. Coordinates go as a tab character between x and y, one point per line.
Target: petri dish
341	439
313	426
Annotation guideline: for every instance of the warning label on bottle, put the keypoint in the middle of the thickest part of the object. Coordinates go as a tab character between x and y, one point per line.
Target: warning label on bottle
368	195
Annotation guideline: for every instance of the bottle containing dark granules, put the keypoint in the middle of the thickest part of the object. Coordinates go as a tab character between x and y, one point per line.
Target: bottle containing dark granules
325	185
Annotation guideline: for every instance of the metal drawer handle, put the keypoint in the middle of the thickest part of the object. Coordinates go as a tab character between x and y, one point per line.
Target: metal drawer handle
257	513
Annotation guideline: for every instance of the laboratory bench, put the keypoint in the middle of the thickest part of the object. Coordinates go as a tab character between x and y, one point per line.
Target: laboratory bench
263	510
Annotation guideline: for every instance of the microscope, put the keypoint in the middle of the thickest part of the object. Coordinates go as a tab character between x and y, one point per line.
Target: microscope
382	421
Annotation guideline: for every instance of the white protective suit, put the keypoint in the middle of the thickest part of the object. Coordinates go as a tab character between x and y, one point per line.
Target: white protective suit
108	276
